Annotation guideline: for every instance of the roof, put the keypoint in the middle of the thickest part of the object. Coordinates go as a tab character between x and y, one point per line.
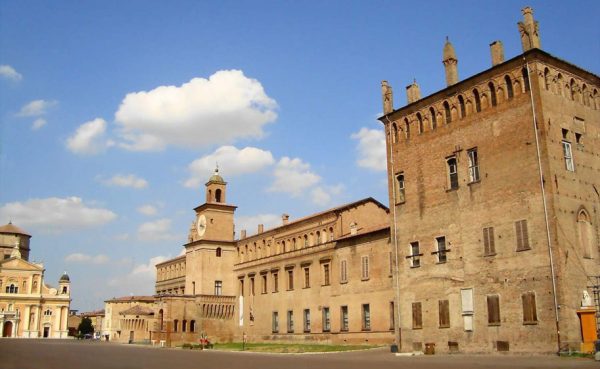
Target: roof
137	310
132	298
171	260
364	231
64	278
13	229
93	313
216	178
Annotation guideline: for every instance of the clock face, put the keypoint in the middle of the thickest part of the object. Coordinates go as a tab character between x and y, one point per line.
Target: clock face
201	225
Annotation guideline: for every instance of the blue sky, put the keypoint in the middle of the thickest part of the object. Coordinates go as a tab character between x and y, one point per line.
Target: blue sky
113	113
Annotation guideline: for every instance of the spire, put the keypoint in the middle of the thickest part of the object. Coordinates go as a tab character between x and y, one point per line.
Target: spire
529	30
450	63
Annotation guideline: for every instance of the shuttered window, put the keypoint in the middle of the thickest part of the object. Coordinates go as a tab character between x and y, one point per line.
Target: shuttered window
444	310
417	318
493	306
489	248
343	271
522	235
529	308
365	267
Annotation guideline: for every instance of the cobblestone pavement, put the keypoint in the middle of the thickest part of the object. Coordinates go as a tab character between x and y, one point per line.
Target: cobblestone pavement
63	354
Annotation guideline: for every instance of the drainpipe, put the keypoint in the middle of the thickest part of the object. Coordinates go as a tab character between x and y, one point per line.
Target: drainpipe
548	237
395	231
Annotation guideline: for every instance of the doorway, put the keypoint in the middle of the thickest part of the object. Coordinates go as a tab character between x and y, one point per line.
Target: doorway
7	330
46	332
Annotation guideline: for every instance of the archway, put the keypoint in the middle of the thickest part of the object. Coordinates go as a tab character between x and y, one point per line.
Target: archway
7	330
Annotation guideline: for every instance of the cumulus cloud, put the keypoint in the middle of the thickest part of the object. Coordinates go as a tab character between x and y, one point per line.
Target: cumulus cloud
293	176
322	195
232	160
36	108
139	281
250	222
129	180
147	210
56	214
371	149
38	123
218	110
89	138
84	258
157	230
8	72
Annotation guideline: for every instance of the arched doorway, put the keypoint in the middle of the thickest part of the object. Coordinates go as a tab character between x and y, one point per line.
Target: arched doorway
7	329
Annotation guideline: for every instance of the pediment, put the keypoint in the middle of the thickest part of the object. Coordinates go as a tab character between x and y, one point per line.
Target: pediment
17	263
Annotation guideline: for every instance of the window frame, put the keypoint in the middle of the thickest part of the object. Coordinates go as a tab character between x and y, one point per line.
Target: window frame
400	187
364	268
530	316
326	319
489	243
366	317
444	313
522	235
473	158
414	258
452	173
344	318
493	310
441	253
326	274
218	288
306	316
275	322
343	271
567	150
417	315
290	321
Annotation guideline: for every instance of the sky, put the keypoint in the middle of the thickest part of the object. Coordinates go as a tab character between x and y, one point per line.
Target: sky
113	114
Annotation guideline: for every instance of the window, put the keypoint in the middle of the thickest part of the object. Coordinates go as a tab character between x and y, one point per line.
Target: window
307	320
318	237
394	133
444	313
433	118
400	187
417	317
218	252
452	173
47	312
477	100
331	234
473	165
493	94
415	260
290	321
447	112
420	123
343	272
392	315
489	248
326	320
175	325
461	104
366	317
275	322
568	154
509	87
12	289
193	326
391	263
306	277
343	318
184	326
264	283
219	288
441	249
218	195
64	290
407	128
493	307
529	309
326	274
252	286
525	78
586	233
275	282
305	241
290	274
364	267
522	235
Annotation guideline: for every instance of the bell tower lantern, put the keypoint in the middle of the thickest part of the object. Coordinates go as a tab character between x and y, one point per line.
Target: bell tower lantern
215	188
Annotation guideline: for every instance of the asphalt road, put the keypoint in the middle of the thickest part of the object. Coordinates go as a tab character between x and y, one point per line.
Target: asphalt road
62	354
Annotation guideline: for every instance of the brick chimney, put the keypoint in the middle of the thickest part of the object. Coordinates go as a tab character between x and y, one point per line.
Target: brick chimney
261	228
242	234
413	92
285	219
529	30
497	50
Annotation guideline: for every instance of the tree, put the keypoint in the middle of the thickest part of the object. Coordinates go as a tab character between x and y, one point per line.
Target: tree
85	326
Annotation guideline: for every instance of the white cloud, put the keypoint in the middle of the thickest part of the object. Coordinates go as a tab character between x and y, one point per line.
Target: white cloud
139	281
322	195
371	149
129	180
36	108
218	110
250	222
293	176
55	214
38	123
147	210
8	72
89	138
157	230
84	258
232	160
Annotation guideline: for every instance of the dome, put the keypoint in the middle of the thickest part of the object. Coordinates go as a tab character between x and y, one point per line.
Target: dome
216	177
13	229
449	52
64	278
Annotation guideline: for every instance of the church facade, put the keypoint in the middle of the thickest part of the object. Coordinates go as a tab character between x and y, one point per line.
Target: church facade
29	308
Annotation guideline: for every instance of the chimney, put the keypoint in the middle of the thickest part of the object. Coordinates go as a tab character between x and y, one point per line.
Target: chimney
413	92
285	219
261	228
529	30
387	97
497	50
353	228
242	234
450	63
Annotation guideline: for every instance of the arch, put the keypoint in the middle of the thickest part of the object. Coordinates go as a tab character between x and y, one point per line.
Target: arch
318	238
517	87
509	87
420	123
284	246
461	105
585	95
493	98
218	252
596	103
193	326
525	76
586	233
331	236
175	325
547	79
218	195
433	118
161	319
305	241
407	127
572	87
184	326
559	84
7	329
447	113
477	100
294	245
394	133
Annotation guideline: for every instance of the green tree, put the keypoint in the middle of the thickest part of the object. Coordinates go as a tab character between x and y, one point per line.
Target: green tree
85	326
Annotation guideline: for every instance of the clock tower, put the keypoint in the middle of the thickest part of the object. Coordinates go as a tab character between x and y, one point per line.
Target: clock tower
210	251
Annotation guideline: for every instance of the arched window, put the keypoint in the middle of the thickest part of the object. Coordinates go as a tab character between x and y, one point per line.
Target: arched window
585	95
509	87
596	103
218	252
331	234
586	235
294	243
447	112
160	319
283	246
493	94
184	326
407	127
546	79
420	122
218	195
305	241
318	238
394	133
461	104
477	100
175	325
572	87
525	76
64	290
433	118
12	289
193	326
559	81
